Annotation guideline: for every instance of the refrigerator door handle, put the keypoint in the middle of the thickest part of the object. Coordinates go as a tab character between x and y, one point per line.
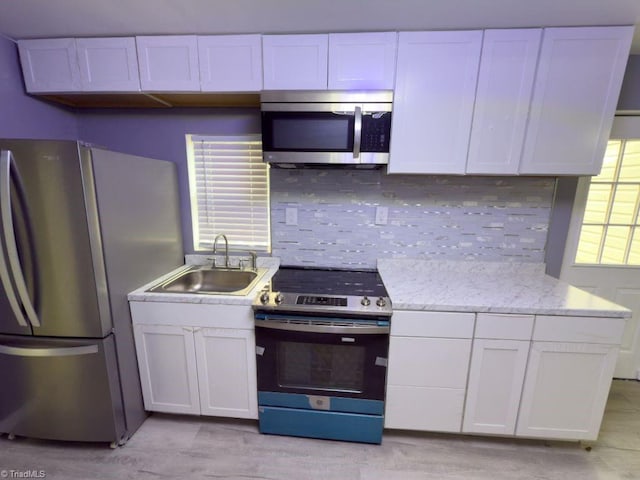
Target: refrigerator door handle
48	352
5	203
11	247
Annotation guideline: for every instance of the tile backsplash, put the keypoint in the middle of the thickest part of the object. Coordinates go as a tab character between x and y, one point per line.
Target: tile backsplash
327	217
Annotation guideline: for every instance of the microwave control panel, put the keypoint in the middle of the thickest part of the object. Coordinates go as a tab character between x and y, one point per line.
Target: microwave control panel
376	127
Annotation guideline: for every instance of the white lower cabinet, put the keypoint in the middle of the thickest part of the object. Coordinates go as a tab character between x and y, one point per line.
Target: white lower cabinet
495	383
427	376
496	375
167	363
194	359
227	372
566	390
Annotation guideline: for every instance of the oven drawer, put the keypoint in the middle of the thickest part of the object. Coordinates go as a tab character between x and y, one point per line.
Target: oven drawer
325	403
352	427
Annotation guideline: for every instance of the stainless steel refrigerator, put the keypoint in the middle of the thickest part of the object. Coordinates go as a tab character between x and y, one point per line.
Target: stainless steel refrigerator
80	227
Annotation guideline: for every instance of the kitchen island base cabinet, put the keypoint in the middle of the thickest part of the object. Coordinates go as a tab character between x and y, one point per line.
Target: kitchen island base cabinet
194	359
566	390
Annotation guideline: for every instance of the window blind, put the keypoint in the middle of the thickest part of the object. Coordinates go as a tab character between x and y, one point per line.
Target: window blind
229	187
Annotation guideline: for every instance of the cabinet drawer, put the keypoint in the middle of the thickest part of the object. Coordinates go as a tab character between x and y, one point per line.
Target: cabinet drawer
192	314
428	362
579	329
508	327
432	324
424	408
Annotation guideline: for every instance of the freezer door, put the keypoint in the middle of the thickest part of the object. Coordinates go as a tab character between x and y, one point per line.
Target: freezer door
60	389
57	237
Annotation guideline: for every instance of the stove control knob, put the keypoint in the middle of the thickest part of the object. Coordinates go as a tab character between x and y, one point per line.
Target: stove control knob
264	298
365	301
381	302
279	298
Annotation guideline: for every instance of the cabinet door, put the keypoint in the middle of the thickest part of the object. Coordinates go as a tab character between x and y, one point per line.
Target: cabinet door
168	63
365	61
50	65
505	83
230	63
426	383
108	64
574	99
565	390
295	62
167	363
433	102
227	372
495	383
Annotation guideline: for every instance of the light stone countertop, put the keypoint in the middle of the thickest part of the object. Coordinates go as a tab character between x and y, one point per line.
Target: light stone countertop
497	287
141	294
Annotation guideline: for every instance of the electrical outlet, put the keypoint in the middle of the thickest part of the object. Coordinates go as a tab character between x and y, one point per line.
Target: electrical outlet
382	215
291	216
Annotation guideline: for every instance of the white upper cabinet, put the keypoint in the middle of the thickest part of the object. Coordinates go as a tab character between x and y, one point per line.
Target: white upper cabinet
108	64
168	63
574	99
362	61
230	63
505	83
295	62
436	80
49	65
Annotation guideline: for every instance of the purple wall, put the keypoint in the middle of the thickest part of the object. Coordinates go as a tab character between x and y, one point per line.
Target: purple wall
160	133
22	116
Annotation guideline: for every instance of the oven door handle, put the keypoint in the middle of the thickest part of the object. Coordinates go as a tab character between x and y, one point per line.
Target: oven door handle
317	328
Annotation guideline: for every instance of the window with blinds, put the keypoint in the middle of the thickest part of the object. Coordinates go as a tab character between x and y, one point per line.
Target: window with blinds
610	233
229	187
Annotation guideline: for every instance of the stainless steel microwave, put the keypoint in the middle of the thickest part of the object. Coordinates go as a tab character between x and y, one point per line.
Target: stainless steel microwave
349	128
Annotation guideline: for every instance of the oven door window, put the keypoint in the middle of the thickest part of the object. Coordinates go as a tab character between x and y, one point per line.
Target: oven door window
340	365
335	368
307	131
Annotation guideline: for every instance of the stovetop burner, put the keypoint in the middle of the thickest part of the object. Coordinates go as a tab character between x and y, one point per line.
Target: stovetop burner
320	281
325	291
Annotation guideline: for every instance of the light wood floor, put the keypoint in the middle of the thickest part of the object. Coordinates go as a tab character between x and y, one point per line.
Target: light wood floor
179	447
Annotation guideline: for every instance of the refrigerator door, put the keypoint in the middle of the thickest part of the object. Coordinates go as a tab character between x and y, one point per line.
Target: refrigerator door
60	389
57	236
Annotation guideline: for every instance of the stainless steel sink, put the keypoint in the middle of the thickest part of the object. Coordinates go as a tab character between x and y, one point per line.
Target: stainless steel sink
211	281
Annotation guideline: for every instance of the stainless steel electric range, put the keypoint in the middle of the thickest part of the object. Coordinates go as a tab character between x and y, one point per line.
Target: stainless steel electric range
322	340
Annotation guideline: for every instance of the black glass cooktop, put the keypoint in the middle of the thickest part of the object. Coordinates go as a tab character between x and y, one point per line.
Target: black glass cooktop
318	281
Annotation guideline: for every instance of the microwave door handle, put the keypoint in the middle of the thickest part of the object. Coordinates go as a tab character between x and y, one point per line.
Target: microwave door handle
10	241
357	132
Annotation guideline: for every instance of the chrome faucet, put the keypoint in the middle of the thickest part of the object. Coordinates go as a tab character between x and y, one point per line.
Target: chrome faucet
226	250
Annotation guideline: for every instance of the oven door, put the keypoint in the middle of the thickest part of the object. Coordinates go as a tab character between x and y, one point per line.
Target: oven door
317	358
